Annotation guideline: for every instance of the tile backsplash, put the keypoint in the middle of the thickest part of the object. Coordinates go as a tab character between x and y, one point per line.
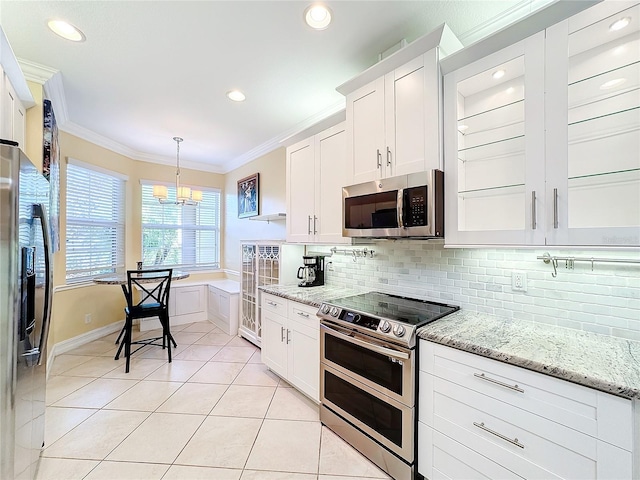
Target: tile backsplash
605	300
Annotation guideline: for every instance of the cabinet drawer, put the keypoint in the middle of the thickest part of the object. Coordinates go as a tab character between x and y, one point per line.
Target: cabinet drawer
523	442
440	457
274	304
303	313
586	410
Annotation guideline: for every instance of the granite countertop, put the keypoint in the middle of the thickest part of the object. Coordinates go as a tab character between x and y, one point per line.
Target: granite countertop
313	296
121	278
608	364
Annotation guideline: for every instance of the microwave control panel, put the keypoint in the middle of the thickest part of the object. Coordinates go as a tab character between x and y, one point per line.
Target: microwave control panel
415	204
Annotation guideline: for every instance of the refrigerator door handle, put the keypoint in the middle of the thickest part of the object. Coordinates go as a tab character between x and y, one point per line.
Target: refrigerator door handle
39	211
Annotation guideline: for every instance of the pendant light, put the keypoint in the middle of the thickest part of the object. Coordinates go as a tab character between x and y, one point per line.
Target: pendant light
184	195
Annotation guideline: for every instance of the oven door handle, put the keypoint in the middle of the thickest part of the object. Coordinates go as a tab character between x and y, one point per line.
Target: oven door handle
367	345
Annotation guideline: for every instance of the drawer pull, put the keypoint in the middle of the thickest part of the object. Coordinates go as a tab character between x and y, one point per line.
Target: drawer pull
492	432
273	304
482	376
302	314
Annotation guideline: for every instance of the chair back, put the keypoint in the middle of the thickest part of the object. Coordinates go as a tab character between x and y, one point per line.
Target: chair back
153	285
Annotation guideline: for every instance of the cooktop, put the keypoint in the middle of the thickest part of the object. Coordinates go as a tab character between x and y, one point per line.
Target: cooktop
410	311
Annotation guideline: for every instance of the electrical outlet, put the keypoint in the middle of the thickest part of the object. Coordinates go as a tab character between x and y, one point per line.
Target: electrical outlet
518	281
87	318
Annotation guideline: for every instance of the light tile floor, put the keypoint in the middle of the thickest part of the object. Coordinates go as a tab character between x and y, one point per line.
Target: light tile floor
215	412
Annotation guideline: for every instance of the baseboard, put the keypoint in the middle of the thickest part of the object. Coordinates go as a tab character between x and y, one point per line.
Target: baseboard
75	342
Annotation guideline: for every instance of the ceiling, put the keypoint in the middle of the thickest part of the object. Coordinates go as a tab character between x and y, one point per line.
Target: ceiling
151	70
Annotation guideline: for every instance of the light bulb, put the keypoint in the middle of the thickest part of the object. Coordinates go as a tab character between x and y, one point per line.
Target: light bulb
612	83
498	74
620	24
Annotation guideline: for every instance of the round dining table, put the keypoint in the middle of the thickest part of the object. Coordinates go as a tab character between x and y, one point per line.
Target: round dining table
121	278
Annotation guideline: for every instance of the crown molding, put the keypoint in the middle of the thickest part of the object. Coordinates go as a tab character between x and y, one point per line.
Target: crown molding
277	142
34	72
12	70
116	147
51	80
508	16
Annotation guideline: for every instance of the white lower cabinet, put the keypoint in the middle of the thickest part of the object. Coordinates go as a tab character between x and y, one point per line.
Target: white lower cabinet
222	306
291	343
187	304
480	418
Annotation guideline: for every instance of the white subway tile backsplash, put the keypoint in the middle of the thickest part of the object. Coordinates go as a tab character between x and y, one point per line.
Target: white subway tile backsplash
605	300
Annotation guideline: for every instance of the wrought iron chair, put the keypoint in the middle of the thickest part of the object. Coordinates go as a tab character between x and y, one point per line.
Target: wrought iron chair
154	287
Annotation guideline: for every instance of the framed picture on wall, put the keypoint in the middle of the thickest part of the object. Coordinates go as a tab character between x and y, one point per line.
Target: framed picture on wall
248	196
51	170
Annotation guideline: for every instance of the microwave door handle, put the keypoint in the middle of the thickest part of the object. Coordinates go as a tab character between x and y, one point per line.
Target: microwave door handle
400	208
367	345
39	211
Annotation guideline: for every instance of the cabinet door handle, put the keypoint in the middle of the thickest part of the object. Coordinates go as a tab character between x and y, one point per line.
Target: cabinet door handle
309	225
482	376
379	158
302	314
388	157
555	208
499	435
282	334
288	339
273	304
533	210
315	230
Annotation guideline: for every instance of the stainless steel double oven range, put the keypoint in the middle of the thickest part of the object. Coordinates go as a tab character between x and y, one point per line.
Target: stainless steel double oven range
368	374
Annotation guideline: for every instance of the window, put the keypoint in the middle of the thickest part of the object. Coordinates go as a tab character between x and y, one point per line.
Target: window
95	221
183	237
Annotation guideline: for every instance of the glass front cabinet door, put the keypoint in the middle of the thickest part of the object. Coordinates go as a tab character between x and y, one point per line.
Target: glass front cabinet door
542	139
593	127
494	147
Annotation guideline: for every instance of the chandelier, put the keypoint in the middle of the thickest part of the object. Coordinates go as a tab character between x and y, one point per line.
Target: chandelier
184	195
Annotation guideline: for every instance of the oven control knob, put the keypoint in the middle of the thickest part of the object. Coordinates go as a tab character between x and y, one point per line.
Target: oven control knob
333	312
325	309
398	330
385	326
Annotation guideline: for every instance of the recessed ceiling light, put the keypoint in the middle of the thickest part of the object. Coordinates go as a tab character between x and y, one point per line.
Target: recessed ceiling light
612	83
498	74
236	96
66	30
317	16
620	24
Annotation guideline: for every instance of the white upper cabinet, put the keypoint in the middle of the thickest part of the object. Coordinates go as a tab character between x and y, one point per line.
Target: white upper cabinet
593	127
394	111
12	113
365	117
393	122
494	147
316	173
542	138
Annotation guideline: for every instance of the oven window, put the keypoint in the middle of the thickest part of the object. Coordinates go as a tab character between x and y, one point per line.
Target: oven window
372	411
368	364
377	210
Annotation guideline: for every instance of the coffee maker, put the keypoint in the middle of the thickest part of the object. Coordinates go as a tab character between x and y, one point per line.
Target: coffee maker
312	273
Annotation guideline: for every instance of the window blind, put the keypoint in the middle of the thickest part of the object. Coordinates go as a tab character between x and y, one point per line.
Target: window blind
185	237
95	223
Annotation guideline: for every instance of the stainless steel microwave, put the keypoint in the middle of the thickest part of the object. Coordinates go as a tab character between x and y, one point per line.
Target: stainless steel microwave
404	206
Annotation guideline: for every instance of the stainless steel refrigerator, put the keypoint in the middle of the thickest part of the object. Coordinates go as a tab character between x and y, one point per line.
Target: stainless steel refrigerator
25	311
